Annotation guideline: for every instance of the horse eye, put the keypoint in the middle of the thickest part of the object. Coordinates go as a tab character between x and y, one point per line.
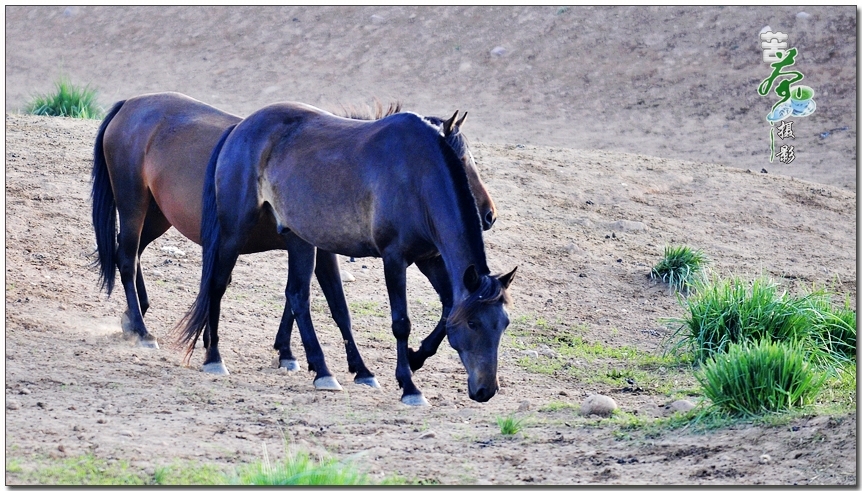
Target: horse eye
471	324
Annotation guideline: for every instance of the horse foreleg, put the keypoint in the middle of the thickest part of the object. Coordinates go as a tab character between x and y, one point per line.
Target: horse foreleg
300	264
329	277
435	270
395	271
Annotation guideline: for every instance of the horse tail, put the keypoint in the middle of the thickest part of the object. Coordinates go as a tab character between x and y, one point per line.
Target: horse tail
196	319
104	209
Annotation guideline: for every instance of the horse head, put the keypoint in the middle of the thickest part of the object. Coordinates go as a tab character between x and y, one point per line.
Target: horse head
475	327
451	129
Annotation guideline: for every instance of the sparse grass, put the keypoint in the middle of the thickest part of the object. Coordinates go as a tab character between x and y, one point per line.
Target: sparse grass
83	470
729	311
300	469
681	267
368	308
554	406
760	377
67	100
510	425
188	473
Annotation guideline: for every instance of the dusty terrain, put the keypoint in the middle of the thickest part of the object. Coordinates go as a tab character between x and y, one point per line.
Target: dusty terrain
550	120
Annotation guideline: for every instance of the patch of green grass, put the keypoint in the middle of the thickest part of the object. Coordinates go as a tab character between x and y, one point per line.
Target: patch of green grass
510	425
188	473
82	470
67	100
757	378
13	466
554	406
300	469
368	308
681	267
729	311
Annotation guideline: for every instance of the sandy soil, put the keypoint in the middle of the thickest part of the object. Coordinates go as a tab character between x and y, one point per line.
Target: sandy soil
583	221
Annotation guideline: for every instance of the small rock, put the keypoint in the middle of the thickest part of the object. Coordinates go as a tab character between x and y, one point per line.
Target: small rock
347	277
127	433
378	19
763	171
548	352
42	405
13	405
582	275
101	421
524	406
563	393
427	434
498	51
24	390
174	251
765	459
531	353
682	406
599	405
803	15
628	226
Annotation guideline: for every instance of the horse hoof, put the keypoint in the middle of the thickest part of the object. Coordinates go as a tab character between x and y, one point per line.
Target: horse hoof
369	381
327	383
290	365
215	369
415	400
126	323
148	342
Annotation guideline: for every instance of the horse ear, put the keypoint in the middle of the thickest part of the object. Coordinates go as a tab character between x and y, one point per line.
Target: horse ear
507	278
472	281
449	124
461	121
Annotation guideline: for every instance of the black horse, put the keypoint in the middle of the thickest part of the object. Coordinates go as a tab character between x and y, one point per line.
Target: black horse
393	188
152	151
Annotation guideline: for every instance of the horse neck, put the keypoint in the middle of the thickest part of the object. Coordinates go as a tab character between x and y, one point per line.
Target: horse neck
457	229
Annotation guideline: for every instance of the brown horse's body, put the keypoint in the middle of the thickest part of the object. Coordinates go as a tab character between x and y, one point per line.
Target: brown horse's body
159	145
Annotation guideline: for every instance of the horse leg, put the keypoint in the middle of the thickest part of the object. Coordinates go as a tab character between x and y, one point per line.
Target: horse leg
282	339
300	264
435	270
155	224
228	252
127	262
329	277
395	271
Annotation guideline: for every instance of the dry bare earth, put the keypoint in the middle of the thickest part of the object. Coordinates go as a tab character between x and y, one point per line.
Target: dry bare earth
74	385
675	82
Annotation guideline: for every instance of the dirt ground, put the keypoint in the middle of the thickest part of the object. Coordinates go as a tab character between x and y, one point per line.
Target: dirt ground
603	134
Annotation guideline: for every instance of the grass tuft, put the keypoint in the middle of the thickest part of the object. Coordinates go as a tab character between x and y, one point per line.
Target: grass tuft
760	377
67	100
510	425
728	311
681	268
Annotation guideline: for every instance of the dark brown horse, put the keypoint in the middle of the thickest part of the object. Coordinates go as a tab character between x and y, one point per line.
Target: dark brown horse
151	152
393	188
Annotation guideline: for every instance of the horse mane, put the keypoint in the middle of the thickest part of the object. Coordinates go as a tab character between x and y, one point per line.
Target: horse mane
367	113
490	290
466	203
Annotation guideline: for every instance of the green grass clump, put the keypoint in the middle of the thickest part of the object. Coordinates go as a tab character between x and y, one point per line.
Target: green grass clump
67	100
760	377
681	267
300	469
728	311
510	425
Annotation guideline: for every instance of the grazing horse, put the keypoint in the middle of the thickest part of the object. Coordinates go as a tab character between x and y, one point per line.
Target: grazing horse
394	188
152	152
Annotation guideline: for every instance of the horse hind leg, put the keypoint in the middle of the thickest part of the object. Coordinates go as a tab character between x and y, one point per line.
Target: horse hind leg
282	339
155	225
329	278
300	268
127	262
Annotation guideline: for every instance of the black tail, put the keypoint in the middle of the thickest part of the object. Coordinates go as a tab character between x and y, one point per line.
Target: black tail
104	209
196	319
